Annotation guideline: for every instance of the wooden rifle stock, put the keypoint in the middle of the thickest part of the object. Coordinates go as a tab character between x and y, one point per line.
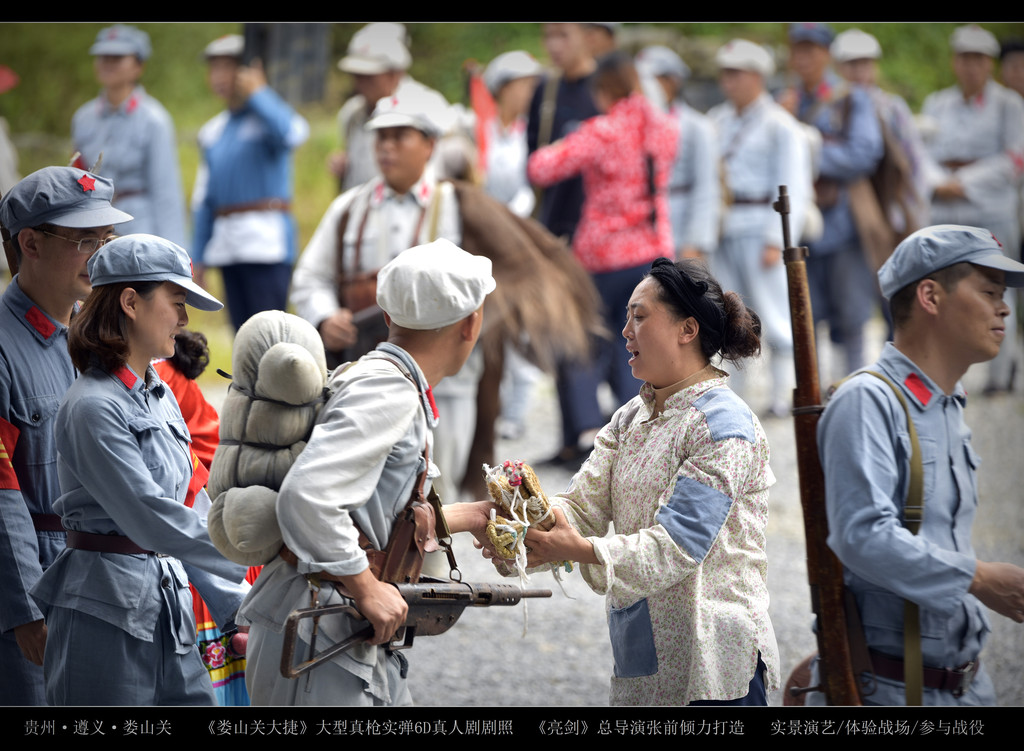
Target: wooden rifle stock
824	571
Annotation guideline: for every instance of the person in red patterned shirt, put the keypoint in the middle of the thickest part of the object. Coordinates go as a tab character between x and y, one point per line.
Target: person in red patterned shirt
624	157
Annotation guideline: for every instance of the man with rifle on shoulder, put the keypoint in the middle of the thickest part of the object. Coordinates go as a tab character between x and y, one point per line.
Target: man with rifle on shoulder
900	475
367	462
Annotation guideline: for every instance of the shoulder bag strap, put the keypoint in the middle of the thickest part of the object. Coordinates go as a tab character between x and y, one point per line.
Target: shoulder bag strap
913	515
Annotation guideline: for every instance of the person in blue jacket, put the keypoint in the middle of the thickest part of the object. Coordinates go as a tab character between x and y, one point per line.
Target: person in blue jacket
117	605
842	285
243	190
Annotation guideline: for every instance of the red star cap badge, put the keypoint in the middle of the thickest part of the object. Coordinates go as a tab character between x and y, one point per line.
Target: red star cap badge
87	183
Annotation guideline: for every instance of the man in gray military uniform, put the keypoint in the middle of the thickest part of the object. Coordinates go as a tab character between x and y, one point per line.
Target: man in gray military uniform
762	147
57	217
945	287
975	136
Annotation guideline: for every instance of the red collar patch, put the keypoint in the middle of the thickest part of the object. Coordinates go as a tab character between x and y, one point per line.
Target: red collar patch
433	405
87	183
40	322
126	376
916	387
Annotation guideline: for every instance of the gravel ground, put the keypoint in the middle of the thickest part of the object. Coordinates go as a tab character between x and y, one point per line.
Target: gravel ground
555	651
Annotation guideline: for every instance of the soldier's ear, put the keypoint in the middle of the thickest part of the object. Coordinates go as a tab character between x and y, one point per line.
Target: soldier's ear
928	294
28	239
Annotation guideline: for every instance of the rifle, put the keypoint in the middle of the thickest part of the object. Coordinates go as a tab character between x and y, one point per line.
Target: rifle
824	571
434	607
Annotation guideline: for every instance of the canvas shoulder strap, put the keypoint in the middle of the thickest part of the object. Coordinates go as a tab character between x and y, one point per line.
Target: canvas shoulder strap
913	515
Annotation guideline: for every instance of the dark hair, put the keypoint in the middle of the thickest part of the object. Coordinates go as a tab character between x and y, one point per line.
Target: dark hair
191	353
97	335
901	304
616	75
727	326
1010	46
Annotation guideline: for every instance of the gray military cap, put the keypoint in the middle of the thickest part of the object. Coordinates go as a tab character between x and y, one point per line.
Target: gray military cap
63	196
122	40
942	245
148	258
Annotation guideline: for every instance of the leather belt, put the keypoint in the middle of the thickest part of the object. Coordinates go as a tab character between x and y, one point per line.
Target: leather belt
955	164
103	543
265	204
47	523
749	200
958	680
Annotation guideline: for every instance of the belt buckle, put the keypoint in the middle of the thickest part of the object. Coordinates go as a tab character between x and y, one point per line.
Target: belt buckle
967	673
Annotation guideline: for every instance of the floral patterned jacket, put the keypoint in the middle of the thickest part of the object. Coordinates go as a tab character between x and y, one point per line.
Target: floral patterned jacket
684	569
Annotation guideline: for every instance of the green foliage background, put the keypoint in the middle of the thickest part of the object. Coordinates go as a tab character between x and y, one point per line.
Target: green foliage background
56	77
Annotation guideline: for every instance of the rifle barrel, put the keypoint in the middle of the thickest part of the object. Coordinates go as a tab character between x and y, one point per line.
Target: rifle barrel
824	572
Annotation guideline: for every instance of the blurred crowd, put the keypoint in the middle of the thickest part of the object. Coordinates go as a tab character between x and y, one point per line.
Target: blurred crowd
573	175
829	138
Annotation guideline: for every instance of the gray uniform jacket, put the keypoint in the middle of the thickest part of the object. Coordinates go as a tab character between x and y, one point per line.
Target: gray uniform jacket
35	371
124	464
865	450
981	143
140	154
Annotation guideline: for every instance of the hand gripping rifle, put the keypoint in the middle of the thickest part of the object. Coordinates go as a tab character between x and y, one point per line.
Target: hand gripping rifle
434	607
824	571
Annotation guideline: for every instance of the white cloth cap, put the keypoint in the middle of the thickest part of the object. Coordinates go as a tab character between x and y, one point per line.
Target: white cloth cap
377	48
413	106
509	66
854	44
973	38
230	45
741	54
433	285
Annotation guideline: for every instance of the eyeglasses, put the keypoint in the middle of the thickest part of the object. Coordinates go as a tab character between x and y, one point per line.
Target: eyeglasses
86	244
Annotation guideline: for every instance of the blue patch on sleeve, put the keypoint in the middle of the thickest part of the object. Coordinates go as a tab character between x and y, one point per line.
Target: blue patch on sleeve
693	516
727	415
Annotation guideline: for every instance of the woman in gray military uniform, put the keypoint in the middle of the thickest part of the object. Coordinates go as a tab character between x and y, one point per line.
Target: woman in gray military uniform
116	601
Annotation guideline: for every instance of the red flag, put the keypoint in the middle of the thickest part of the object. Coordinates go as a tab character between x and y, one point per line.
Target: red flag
486	110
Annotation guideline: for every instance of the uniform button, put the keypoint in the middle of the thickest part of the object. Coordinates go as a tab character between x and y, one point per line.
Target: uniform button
36	417
165	582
